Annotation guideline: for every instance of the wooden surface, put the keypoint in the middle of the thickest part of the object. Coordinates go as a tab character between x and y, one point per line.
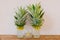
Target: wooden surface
42	37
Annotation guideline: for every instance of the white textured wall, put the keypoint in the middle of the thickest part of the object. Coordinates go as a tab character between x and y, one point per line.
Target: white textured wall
52	15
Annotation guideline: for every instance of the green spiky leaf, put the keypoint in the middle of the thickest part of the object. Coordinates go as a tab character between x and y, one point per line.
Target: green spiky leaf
42	15
36	13
20	17
15	17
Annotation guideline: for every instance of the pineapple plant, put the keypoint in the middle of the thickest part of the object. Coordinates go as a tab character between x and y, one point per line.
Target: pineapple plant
20	21
36	15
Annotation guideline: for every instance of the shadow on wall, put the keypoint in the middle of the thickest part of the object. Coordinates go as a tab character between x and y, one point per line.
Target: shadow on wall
47	26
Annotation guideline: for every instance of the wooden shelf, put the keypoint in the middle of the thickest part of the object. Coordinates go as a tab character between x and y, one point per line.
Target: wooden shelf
42	37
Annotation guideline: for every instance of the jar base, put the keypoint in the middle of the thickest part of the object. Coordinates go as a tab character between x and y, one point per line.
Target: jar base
36	36
20	36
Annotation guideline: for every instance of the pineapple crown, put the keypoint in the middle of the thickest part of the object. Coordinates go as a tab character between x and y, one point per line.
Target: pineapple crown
20	17
36	14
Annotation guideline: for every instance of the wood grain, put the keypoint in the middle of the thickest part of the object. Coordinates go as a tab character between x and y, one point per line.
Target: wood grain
42	37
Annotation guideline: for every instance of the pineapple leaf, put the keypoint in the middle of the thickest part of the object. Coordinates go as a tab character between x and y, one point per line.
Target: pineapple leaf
15	17
33	7
42	15
40	12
